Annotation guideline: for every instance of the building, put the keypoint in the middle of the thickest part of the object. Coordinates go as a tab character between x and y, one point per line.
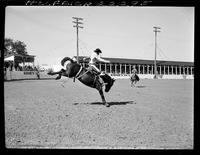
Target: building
165	69
19	61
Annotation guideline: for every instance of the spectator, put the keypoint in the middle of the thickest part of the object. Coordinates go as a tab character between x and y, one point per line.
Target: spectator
37	72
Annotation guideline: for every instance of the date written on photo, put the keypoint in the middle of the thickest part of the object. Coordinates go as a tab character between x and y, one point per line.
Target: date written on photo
79	3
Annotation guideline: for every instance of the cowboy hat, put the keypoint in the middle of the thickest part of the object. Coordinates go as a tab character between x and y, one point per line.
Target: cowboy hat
97	50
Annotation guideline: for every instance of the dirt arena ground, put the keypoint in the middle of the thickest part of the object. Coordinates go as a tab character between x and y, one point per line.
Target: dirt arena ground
52	114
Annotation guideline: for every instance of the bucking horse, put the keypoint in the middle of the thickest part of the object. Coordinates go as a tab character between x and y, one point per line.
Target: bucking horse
86	76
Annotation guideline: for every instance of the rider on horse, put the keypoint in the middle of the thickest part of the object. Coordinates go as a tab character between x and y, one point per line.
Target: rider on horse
134	70
86	75
94	58
134	77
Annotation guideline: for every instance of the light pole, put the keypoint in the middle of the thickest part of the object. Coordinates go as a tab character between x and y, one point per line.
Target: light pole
156	29
77	26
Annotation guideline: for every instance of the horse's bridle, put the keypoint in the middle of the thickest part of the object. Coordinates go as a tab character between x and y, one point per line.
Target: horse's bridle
76	76
81	74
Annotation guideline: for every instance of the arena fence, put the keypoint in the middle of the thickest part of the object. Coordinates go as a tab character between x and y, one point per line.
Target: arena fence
24	75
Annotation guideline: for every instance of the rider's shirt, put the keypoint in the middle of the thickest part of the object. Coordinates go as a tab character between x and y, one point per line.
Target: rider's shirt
95	58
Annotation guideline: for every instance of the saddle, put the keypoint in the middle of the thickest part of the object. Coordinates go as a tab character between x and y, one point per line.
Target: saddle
97	75
135	77
92	70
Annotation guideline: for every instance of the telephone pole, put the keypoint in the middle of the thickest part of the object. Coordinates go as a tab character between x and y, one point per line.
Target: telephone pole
156	29
77	26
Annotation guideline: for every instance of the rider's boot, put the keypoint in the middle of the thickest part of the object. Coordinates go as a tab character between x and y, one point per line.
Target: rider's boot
100	79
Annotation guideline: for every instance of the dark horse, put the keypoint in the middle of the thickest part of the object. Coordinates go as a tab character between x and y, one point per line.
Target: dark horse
134	79
86	76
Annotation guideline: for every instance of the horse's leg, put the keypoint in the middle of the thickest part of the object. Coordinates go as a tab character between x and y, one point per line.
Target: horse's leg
54	73
103	98
133	82
60	73
59	76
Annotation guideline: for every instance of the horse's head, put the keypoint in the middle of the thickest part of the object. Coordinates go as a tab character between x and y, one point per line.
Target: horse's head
65	59
70	66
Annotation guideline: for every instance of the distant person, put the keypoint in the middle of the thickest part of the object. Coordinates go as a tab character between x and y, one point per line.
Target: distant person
37	73
134	70
5	73
11	66
134	77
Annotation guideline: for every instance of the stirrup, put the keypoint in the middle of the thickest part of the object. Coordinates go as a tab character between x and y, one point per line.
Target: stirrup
104	84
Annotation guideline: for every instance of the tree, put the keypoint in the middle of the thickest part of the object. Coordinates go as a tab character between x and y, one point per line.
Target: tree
12	46
20	47
8	46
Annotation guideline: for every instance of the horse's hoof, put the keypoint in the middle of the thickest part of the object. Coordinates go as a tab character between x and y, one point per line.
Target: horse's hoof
107	105
58	77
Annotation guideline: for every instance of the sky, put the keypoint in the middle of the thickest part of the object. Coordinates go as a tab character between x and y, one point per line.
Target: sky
120	32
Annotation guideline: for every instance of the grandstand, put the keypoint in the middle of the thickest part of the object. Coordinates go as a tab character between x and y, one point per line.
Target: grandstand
120	67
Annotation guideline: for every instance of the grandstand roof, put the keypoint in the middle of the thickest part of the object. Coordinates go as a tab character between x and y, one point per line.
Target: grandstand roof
19	57
143	62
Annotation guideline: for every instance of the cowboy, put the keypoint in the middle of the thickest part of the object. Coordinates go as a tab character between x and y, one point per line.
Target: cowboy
94	58
134	70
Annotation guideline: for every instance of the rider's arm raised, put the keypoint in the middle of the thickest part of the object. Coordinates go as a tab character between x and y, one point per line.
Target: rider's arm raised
103	60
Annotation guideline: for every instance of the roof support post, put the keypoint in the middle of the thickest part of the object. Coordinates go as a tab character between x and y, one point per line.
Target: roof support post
164	69
105	68
142	69
125	69
110	68
138	69
120	69
115	68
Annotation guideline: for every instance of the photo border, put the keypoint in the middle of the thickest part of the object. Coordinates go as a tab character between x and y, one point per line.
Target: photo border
139	3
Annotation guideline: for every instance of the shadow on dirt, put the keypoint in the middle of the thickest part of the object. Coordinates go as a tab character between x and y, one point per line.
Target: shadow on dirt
110	103
140	86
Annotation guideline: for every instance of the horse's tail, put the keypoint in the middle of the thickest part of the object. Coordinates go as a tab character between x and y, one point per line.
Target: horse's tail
66	59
